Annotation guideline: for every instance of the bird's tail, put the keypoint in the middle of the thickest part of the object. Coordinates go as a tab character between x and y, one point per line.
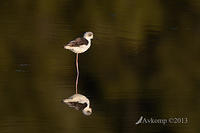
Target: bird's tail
67	100
67	47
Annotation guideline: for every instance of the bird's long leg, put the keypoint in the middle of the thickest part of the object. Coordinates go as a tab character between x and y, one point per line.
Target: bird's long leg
77	70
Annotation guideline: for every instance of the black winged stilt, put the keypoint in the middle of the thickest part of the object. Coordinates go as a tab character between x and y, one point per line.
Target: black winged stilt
79	45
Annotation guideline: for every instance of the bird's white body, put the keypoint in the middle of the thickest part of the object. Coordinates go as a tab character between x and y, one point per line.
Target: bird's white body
80	45
78	98
80	49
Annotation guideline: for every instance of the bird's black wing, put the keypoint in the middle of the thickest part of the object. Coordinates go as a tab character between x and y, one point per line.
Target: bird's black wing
78	42
77	105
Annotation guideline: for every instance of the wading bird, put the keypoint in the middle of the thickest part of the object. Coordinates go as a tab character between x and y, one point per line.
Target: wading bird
79	45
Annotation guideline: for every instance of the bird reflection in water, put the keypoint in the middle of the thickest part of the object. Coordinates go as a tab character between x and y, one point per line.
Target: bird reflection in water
79	102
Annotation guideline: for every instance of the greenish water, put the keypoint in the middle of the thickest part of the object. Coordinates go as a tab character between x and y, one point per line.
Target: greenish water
144	61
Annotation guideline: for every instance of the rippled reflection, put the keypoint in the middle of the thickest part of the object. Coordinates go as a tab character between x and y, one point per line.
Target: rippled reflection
79	102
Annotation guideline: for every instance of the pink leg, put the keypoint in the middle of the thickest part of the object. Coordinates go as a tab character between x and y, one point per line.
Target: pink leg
77	76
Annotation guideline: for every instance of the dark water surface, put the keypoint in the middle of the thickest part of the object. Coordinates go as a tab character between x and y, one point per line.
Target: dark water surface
144	61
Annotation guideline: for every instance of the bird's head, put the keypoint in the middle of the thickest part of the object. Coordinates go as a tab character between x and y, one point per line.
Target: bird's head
88	35
87	111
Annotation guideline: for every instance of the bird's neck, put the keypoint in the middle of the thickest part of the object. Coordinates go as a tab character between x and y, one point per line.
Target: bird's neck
86	108
89	41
